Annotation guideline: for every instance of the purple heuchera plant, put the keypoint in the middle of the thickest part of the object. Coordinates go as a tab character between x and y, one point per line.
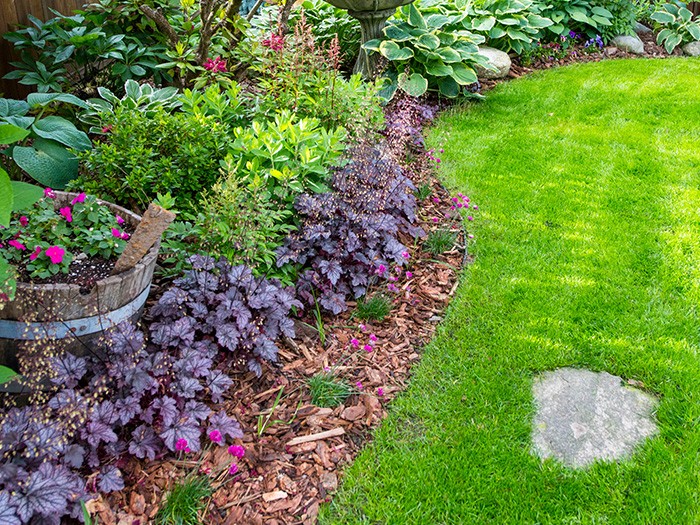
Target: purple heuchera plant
347	233
140	397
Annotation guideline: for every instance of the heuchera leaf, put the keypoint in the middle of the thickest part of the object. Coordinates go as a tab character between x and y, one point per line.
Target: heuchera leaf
7	510
225	424
186	428
110	479
144	443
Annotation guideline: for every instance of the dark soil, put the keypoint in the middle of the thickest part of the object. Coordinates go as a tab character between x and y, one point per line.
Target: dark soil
83	272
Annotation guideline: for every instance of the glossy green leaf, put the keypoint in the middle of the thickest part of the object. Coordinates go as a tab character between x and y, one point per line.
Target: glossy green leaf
428	41
448	87
9	134
662	17
449	55
63	131
43	99
7	374
395	33
415	18
391	51
463	75
437	68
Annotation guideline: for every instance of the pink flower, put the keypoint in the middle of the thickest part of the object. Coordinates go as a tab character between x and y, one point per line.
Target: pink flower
233	469
17	244
55	254
125	236
120	220
373	338
470	218
237	451
274	42
66	213
107	129
79	198
436	200
215	436
393	279
181	445
435	219
362	327
359	385
23	220
35	253
48	192
471	235
354	342
392	287
116	233
409	275
380	391
368	348
475	207
380	270
406	255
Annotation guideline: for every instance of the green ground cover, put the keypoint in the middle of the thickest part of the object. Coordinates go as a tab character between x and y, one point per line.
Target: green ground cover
587	255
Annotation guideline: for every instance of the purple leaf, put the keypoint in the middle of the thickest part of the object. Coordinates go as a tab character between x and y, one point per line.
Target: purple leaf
186	428
197	410
218	383
225	424
145	443
74	456
110	479
7	510
168	410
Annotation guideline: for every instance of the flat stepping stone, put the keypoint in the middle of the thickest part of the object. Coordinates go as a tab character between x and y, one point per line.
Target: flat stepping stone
583	417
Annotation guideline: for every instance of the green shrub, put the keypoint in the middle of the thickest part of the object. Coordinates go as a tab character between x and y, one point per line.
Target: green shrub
579	16
432	52
677	25
287	156
624	16
143	155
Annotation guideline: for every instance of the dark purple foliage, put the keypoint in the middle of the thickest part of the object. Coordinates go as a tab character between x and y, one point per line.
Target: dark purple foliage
224	308
348	233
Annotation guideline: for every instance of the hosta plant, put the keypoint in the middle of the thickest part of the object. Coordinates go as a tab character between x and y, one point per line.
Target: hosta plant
42	146
509	25
428	53
580	16
678	25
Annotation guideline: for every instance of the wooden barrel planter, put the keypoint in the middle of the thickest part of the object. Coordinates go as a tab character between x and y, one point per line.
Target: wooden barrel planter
70	316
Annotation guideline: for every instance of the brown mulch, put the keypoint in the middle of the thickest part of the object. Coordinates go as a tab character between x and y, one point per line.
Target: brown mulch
293	465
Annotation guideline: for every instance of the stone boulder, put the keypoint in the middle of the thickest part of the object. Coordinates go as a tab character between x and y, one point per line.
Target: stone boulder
631	44
641	28
692	49
499	61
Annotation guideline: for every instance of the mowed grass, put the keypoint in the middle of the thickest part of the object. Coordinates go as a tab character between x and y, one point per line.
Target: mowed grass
587	255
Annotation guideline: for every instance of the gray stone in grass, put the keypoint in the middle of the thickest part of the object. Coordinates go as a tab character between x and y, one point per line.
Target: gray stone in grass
692	49
499	61
583	417
631	44
641	28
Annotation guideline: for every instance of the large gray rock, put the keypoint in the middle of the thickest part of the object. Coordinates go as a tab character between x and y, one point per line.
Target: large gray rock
583	417
641	28
631	44
692	49
498	60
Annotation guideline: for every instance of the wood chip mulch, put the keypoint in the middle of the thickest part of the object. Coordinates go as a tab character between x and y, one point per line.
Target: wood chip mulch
295	451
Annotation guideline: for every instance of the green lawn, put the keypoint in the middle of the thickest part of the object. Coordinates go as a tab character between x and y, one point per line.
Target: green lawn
587	255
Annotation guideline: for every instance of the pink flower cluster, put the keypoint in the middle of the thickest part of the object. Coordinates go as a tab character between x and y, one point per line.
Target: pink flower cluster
217	65
237	451
274	42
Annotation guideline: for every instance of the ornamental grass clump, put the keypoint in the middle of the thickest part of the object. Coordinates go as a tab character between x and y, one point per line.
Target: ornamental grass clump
346	234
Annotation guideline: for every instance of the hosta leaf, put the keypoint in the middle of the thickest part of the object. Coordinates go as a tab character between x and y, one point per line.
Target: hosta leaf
497	32
483	24
601	20
662	17
448	87
42	99
663	35
6	199
63	131
47	162
463	75
429	41
601	11
415	18
395	33
449	55
10	134
391	51
437	68
415	85
437	21
539	22
509	21
580	16
13	108
25	195
671	42
694	30
517	35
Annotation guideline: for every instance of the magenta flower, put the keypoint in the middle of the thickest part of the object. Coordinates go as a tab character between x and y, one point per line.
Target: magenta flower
409	275
362	327
392	287
373	338
125	236
359	385
471	236
436	200
233	469
470	218
380	391
475	207
35	253
17	244
215	436
368	348
66	214
237	451
381	269
182	446
354	342
116	233
406	255
120	220
55	254
435	219
23	220
49	193
79	198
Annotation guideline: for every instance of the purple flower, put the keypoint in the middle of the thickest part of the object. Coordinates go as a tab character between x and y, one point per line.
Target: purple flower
435	219
470	218
381	270
359	385
380	391
116	233
392	287
125	236
120	220
35	253
233	469
406	255
373	338
409	275
215	436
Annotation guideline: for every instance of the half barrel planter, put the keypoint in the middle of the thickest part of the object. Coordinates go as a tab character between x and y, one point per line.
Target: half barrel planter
71	316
